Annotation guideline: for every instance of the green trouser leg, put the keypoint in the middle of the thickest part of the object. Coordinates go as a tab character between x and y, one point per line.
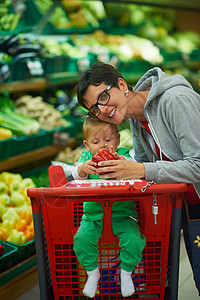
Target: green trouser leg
85	243
131	242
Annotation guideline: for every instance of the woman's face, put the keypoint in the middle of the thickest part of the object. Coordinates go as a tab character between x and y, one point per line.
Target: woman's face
116	108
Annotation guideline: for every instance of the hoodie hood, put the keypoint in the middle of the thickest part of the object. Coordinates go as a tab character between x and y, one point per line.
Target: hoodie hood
157	82
160	99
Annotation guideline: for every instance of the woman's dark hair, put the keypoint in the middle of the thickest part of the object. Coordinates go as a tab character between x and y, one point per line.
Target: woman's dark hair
98	73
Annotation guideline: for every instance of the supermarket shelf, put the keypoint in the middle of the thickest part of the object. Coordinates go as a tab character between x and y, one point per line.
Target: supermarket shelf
177	4
19	279
40	83
24	86
63	78
52	81
30	157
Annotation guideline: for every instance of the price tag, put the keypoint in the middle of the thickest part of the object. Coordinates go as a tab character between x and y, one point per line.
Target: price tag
83	64
35	67
4	73
60	138
19	6
104	57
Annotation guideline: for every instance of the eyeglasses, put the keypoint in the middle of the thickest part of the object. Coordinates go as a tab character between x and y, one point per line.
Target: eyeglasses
103	99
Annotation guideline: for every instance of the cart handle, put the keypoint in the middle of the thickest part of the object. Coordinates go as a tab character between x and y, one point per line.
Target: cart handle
76	190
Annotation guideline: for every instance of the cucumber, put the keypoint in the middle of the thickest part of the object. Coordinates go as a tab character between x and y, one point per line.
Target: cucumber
15	21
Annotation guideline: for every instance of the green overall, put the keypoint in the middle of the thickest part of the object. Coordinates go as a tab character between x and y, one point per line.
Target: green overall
124	225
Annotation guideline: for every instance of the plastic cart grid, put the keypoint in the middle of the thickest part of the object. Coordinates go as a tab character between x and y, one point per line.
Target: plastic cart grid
57	213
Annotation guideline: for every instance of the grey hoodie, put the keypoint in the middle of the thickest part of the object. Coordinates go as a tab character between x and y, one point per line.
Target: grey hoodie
173	112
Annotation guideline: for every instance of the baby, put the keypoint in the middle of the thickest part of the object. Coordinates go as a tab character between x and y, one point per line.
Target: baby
100	135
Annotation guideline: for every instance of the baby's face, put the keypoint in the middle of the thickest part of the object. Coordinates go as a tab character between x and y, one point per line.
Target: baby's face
102	138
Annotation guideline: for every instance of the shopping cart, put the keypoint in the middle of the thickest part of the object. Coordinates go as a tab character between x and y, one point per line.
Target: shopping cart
57	213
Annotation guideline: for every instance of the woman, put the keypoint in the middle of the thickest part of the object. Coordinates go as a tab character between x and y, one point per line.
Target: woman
164	115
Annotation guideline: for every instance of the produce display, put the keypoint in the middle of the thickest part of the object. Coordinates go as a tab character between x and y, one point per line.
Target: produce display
145	35
137	15
9	21
58	17
16	224
14	121
73	13
126	138
185	42
126	47
55	48
44	113
57	116
69	155
41	179
127	34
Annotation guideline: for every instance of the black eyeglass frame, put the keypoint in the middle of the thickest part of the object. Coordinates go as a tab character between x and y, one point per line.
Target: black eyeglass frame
97	103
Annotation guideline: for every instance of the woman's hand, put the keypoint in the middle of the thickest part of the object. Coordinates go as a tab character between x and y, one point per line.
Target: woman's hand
121	169
88	167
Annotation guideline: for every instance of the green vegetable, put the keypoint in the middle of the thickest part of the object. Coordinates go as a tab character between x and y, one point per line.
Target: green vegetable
90	18
8	177
8	224
169	44
2	210
17	199
15	21
17	122
137	15
3	11
126	139
58	16
187	41
10	215
96	8
14	186
17	237
4	199
41	179
27	183
3	188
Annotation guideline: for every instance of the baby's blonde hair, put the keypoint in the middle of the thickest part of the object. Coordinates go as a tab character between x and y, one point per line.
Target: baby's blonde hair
92	124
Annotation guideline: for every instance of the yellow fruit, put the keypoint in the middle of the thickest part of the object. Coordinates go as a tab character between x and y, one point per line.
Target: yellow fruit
5	133
8	224
20	225
3	234
3	188
26	215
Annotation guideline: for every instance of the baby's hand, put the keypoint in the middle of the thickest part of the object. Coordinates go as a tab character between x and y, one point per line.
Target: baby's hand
119	157
88	167
114	153
111	149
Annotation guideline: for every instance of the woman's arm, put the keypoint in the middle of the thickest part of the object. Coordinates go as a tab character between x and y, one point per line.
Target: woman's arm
121	169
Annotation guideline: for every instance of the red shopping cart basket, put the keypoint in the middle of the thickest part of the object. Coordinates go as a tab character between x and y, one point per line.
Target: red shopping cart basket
62	211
